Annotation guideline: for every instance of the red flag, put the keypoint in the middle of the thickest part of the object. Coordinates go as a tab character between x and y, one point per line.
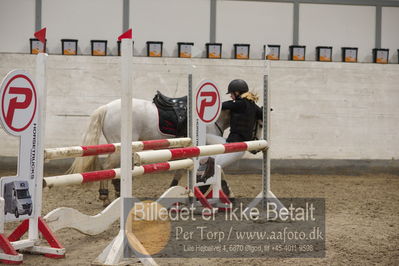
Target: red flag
41	35
127	35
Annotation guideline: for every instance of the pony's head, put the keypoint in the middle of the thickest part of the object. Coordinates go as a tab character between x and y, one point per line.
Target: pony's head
258	130
220	125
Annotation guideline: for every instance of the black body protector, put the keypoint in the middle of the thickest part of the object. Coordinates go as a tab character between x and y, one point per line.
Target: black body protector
244	114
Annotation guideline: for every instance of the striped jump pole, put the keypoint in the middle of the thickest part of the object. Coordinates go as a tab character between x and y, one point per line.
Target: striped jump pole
147	157
81	178
82	151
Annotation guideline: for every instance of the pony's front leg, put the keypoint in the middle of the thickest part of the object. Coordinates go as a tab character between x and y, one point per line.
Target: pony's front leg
176	178
226	188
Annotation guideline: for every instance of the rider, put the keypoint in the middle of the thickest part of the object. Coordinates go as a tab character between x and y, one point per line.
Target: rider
243	111
244	114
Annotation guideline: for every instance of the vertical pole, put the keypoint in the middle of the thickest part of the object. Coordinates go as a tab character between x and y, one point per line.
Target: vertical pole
117	249
2	217
190	121
295	32
378	25
41	60
126	125
266	136
212	23
38	15
266	194
125	16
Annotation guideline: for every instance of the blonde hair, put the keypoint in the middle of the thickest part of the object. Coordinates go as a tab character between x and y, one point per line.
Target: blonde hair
252	96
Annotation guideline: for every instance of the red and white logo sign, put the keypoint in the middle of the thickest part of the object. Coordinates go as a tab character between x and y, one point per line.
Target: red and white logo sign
208	104
18	102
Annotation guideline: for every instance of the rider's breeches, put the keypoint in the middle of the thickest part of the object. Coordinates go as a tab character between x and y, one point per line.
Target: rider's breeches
226	159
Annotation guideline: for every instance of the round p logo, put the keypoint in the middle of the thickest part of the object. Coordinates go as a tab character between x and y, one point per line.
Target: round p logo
208	102
18	102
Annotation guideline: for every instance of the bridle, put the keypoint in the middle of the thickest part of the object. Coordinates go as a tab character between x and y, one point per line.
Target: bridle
219	128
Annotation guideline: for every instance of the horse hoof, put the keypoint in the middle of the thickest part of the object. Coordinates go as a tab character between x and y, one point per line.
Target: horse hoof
103	197
103	194
174	183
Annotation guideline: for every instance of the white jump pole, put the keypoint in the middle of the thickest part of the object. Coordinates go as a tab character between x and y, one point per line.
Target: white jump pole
266	194
126	123
266	136
41	60
147	157
81	178
82	151
114	252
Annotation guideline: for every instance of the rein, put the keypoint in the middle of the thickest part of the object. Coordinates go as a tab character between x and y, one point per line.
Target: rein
219	128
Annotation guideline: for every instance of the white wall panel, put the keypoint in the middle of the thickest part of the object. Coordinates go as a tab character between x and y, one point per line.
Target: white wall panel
334	110
389	33
337	26
17	25
83	20
170	21
321	110
255	23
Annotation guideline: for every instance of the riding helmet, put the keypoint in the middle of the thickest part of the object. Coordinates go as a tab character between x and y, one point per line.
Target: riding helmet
237	85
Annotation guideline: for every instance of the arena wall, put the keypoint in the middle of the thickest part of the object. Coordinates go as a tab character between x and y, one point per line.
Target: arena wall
321	111
363	24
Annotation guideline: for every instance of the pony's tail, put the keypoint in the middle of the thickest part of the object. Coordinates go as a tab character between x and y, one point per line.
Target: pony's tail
91	137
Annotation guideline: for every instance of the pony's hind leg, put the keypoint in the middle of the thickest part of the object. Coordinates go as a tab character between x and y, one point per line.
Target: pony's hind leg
113	161
104	184
117	186
104	192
